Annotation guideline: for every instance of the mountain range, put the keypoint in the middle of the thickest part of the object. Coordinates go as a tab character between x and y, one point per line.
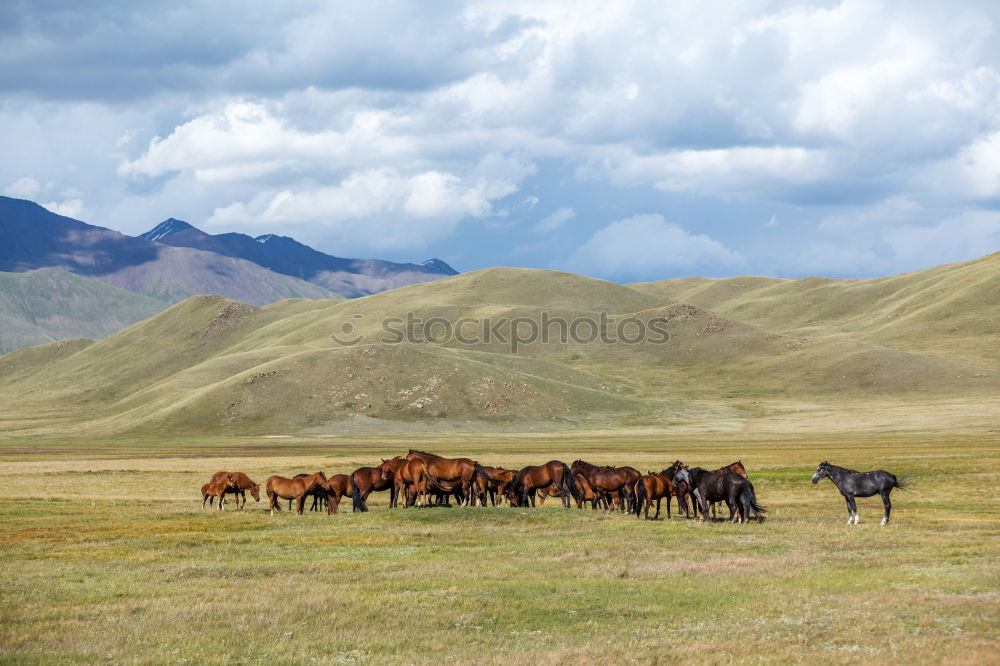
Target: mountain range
169	263
907	353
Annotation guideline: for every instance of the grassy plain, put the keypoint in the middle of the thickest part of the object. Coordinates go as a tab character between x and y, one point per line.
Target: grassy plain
108	559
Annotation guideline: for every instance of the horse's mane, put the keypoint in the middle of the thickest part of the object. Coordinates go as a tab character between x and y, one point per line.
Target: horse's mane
424	453
842	469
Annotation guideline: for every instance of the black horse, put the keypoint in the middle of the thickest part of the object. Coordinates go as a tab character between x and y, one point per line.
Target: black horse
736	491
853	484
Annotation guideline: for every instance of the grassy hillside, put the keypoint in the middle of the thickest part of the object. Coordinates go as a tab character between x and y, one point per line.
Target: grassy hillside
950	311
49	304
210	364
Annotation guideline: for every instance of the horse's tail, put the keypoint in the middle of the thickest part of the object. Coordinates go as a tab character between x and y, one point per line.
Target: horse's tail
902	481
568	484
356	497
482	473
640	497
750	501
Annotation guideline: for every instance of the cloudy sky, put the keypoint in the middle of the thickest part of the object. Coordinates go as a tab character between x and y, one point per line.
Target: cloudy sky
631	141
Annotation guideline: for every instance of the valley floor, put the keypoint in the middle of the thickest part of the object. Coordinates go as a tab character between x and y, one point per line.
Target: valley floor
108	558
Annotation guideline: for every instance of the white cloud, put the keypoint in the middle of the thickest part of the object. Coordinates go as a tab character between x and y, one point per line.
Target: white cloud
381	206
648	247
772	223
970	234
555	220
68	207
974	172
23	188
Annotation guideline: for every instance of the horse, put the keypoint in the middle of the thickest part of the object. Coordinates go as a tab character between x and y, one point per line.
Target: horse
317	493
653	487
410	480
610	480
340	485
497	489
240	484
530	479
366	480
736	491
217	487
682	489
853	484
297	488
450	474
736	468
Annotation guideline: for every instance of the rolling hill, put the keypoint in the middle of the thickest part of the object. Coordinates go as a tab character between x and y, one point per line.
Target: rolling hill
441	355
950	311
49	304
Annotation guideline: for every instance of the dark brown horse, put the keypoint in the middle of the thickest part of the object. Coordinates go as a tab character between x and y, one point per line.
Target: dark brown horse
366	480
297	489
530	479
217	487
736	491
340	485
610	480
584	493
240	484
450	474
651	487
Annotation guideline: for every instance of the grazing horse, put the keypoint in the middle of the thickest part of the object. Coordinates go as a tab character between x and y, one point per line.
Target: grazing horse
410	480
733	489
853	484
530	479
366	480
217	487
240	484
340	485
497	489
610	480
653	487
297	489
450	474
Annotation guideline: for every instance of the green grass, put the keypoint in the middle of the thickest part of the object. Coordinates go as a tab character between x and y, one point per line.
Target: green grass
109	559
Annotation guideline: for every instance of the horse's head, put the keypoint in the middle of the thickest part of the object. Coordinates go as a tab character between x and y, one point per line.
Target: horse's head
822	472
230	480
683	475
255	491
322	481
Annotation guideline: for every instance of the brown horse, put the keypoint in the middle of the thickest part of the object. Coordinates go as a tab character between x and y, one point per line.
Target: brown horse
241	484
529	479
497	488
653	487
217	488
340	485
584	493
450	474
410	480
318	495
610	480
366	480
297	489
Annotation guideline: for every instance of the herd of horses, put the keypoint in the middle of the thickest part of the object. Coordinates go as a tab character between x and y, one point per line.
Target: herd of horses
426	479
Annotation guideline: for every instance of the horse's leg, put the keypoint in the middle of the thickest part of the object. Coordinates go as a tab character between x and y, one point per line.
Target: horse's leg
887	504
656	516
300	504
